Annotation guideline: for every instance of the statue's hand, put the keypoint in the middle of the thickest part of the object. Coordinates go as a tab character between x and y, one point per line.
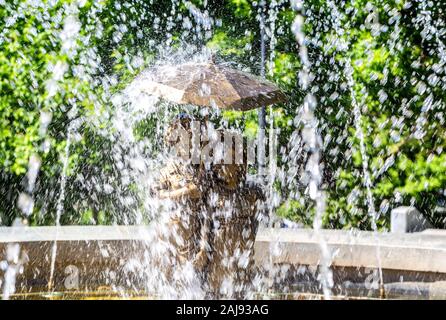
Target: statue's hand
201	260
189	191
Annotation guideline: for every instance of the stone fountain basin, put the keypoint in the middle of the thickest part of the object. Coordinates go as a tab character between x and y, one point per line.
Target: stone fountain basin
104	258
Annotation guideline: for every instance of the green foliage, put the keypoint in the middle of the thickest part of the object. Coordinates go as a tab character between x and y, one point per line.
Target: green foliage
242	8
388	68
394	74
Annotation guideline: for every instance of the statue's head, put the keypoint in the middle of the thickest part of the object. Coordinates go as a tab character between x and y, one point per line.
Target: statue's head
181	123
228	167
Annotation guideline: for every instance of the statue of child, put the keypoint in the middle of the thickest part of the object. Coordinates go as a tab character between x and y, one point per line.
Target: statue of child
183	184
215	224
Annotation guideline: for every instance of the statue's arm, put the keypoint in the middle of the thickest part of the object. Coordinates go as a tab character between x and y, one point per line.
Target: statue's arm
190	191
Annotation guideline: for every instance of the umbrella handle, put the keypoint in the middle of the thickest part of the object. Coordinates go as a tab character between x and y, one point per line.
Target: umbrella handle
213	58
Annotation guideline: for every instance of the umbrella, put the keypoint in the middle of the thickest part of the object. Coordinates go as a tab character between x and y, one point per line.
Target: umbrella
209	85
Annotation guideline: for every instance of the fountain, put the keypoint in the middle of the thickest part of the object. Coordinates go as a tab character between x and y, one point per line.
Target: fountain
94	86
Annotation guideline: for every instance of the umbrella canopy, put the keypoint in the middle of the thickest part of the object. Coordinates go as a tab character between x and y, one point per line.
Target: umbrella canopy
209	85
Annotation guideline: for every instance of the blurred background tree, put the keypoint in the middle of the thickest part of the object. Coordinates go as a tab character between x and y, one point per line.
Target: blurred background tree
394	48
